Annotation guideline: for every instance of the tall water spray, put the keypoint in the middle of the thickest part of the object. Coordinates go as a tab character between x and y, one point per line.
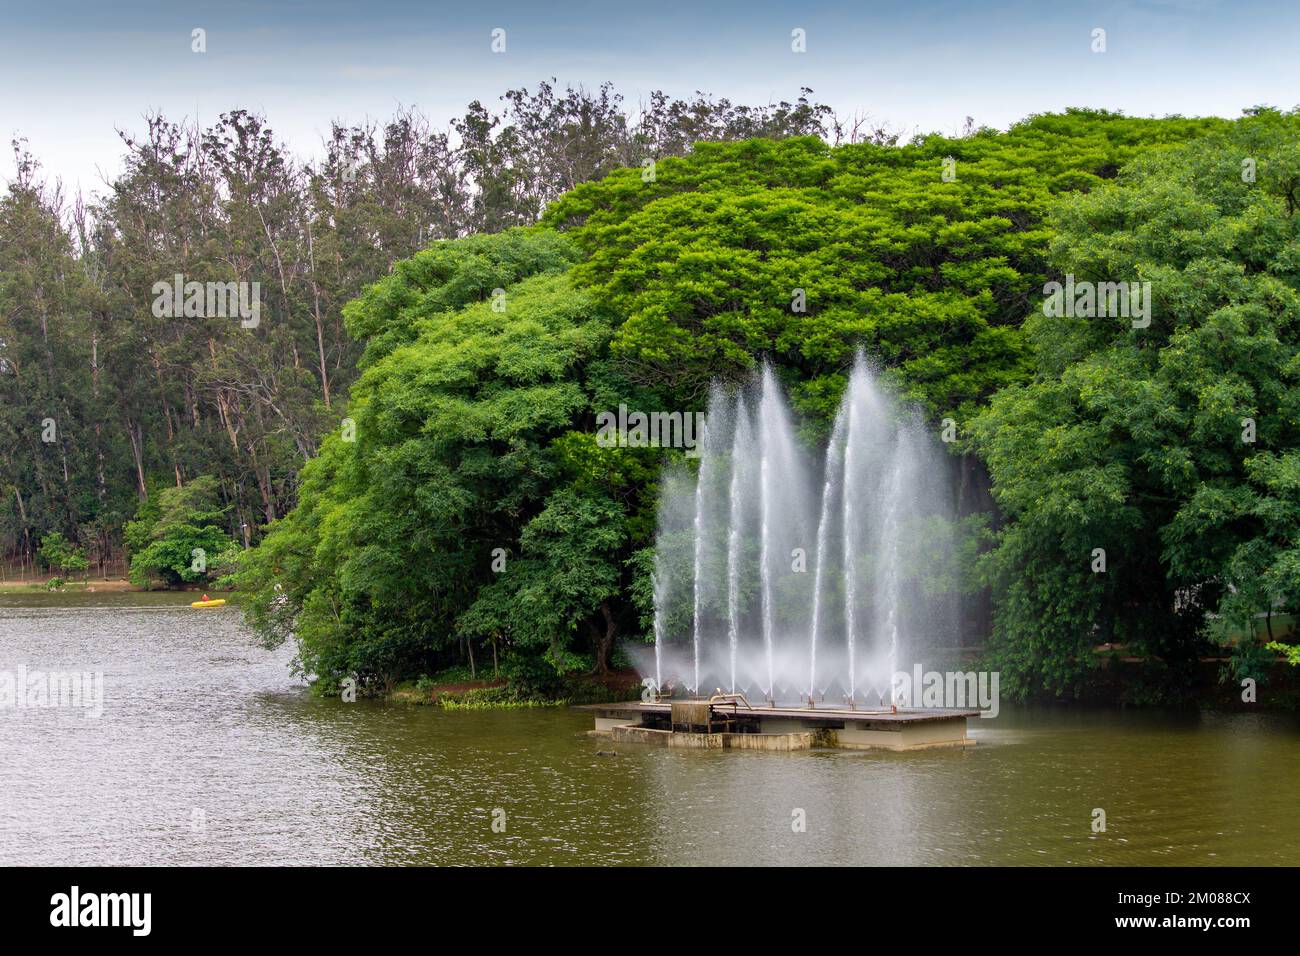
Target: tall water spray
870	516
833	473
738	486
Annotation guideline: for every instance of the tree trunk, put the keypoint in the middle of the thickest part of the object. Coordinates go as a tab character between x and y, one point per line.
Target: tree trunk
102	489
134	432
167	416
320	329
22	517
605	642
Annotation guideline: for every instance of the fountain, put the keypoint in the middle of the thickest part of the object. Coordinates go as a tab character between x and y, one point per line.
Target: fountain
810	573
802	578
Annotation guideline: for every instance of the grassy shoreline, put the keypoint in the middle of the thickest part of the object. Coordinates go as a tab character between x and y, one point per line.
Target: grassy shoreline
500	694
91	586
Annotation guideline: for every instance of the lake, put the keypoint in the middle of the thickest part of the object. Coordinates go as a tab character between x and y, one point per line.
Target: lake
209	751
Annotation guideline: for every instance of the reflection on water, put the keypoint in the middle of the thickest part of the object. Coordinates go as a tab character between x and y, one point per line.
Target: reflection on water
208	751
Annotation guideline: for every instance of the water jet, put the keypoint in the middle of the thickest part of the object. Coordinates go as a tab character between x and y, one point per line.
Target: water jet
872	513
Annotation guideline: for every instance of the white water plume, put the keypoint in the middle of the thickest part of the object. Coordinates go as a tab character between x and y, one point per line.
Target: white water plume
801	573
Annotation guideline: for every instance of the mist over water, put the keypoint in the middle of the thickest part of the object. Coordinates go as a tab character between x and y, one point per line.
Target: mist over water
786	570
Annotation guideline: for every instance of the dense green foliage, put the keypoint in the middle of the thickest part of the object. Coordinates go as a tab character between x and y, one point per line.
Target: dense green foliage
486	359
929	265
473	503
103	400
57	553
1173	447
177	536
401	465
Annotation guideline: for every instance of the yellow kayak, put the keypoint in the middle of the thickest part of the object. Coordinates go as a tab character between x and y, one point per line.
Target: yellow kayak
219	602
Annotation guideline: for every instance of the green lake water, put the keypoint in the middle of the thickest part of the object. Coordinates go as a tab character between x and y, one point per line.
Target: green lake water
209	751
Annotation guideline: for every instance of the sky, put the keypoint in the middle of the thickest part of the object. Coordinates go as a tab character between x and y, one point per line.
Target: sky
73	73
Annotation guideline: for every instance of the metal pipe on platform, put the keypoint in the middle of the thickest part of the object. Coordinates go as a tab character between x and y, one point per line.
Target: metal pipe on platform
731	699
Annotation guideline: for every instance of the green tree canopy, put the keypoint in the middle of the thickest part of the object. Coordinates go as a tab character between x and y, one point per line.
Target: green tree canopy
57	552
926	254
177	535
468	506
1172	446
466	498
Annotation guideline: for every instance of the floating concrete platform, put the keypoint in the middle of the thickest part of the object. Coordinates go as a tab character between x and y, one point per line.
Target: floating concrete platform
732	723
